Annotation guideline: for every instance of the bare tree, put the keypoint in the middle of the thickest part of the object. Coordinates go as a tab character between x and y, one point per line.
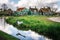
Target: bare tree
4	7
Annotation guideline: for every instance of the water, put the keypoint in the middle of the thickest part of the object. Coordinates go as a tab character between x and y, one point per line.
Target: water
11	30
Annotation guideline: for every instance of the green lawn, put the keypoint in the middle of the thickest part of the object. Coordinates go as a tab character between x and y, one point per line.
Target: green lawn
4	36
39	24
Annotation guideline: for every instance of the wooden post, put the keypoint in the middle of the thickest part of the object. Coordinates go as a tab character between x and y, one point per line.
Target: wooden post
4	21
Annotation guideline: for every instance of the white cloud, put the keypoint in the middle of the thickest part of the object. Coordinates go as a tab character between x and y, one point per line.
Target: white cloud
9	4
3	1
49	1
38	3
28	3
12	5
55	6
58	10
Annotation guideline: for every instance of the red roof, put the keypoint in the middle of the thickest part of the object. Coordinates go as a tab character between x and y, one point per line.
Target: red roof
20	9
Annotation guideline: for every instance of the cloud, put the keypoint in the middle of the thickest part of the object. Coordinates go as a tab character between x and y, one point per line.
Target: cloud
9	4
3	1
58	10
38	3
28	3
12	5
32	3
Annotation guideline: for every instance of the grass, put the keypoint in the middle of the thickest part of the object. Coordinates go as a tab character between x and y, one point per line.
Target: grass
39	24
4	36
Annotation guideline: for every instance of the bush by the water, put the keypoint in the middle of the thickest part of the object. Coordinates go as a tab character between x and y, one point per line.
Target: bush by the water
39	24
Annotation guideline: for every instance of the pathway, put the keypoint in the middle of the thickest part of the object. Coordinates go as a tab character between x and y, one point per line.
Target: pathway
55	19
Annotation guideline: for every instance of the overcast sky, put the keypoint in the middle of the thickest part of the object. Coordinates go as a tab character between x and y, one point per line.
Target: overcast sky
13	4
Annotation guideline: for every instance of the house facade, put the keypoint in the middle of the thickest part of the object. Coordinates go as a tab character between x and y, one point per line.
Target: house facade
34	11
22	11
7	12
45	11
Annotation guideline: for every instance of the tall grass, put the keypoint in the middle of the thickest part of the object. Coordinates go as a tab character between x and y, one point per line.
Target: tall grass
39	24
4	36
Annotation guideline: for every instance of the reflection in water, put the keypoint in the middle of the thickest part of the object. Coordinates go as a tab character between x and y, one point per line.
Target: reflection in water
29	35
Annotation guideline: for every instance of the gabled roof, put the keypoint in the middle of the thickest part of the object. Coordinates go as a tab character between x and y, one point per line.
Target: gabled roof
20	9
45	9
